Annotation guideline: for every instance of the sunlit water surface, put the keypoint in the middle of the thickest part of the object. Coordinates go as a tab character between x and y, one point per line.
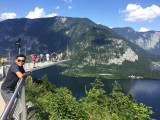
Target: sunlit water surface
145	91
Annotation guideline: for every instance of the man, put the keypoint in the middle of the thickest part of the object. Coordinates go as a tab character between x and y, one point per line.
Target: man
33	56
2	60
47	57
41	57
54	56
15	72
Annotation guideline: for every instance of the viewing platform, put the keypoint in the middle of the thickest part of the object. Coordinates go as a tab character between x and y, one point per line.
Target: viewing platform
27	67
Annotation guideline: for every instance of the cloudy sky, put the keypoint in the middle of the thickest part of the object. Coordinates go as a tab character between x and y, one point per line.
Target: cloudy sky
141	15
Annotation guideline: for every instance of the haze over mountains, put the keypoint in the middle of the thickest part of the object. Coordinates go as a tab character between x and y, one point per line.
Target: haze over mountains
95	49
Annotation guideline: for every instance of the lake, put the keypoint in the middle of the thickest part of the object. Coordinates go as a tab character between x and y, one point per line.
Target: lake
145	91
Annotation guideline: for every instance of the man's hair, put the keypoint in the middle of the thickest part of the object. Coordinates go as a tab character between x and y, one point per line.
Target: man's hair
20	55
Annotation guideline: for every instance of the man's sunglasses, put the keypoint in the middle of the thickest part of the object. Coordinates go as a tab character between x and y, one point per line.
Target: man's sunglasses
21	60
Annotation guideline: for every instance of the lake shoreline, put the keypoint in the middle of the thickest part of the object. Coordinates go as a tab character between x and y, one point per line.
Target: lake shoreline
145	90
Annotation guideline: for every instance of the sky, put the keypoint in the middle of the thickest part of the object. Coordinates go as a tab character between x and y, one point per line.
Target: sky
141	15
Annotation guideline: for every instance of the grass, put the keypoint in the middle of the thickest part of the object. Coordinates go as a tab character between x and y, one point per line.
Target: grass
155	63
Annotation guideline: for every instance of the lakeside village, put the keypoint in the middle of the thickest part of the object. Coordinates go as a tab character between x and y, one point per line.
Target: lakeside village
154	64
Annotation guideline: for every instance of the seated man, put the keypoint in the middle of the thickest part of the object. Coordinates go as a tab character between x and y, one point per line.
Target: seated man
15	72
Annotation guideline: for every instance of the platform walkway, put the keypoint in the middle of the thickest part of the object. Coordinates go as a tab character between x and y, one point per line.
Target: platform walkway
27	67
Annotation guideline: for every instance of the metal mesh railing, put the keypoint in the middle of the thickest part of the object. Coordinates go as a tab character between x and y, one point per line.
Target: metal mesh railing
18	98
17	102
11	59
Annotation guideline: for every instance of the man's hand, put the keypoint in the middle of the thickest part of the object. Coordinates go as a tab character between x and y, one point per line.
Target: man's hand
28	73
24	75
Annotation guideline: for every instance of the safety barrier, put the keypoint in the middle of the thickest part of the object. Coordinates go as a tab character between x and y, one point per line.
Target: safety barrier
18	100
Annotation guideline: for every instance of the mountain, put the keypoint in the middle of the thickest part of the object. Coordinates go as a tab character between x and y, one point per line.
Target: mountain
94	49
149	40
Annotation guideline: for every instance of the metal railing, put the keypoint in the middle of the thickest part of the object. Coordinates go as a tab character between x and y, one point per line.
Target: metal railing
18	100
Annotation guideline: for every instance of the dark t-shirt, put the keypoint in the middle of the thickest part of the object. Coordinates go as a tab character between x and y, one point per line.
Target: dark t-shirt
11	78
54	55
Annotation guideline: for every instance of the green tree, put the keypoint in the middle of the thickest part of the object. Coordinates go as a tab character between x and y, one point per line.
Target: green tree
59	104
96	102
51	102
126	107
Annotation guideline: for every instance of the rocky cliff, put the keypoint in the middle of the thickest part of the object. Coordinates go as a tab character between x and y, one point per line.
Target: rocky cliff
149	40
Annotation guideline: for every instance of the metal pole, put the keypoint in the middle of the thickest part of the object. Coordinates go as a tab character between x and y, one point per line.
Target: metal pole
9	57
23	101
19	51
2	70
67	50
25	51
8	108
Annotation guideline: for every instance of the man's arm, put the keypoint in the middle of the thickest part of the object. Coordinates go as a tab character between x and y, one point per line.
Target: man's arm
21	75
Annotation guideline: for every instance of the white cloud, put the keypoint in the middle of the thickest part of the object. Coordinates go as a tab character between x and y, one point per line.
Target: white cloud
70	7
57	7
39	13
5	16
135	13
68	1
142	29
51	15
36	14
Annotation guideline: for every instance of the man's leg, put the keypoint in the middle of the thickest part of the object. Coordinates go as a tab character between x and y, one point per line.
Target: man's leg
6	95
10	112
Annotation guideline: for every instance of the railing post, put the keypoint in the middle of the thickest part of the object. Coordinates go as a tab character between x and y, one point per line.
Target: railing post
3	71
23	101
14	100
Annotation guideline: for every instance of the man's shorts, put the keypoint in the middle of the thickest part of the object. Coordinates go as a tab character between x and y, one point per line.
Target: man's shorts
6	95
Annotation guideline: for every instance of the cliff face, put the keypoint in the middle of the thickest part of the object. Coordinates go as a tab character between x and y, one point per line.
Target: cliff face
94	49
149	40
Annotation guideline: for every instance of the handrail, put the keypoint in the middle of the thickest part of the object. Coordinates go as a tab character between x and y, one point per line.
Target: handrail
20	92
50	65
20	87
